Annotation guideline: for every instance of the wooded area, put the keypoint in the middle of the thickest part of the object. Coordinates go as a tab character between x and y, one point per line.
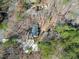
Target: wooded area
39	29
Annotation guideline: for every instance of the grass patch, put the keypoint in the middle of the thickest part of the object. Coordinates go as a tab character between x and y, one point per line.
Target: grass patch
47	49
9	43
65	1
3	26
70	41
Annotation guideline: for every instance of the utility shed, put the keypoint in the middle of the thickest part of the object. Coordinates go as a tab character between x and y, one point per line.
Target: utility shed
35	30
